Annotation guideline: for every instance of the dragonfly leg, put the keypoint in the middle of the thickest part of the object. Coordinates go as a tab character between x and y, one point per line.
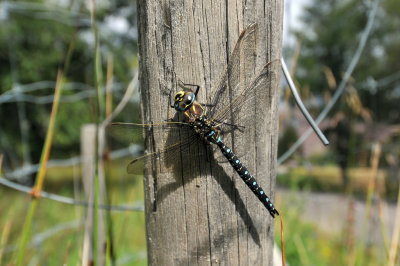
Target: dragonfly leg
207	105
186	86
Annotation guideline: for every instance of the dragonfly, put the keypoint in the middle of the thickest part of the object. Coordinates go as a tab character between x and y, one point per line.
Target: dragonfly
206	125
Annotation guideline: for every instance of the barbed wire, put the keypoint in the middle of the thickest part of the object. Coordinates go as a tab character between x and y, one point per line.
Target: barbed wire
123	152
17	95
341	87
29	169
371	84
45	12
39	238
300	104
47	84
135	206
132	150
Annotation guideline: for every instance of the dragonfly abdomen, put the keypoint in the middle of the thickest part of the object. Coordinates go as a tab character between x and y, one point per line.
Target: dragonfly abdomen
250	181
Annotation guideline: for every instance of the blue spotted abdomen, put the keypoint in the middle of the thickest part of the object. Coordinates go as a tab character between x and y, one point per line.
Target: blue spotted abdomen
247	177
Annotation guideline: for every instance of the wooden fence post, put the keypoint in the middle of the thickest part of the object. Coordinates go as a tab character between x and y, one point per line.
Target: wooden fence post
217	219
88	153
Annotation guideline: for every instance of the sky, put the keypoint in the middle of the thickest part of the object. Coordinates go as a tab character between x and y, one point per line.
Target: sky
291	19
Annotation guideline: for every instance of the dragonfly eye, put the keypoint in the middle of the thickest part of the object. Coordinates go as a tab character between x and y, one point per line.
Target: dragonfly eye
189	99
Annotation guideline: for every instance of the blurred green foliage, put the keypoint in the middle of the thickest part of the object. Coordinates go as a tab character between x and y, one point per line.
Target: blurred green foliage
34	39
51	246
330	36
328	179
306	244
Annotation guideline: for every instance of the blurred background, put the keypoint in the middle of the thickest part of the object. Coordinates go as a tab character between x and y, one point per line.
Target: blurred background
339	202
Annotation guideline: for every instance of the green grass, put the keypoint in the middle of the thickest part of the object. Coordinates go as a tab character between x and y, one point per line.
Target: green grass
305	244
328	179
128	227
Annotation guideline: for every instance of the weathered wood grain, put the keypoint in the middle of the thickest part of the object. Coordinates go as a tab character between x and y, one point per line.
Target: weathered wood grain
208	215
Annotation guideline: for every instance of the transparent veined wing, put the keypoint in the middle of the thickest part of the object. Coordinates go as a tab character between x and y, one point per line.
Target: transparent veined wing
232	99
234	77
243	105
181	143
134	132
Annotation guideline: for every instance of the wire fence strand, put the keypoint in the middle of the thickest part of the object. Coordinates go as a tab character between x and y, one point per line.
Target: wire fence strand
138	206
342	85
135	206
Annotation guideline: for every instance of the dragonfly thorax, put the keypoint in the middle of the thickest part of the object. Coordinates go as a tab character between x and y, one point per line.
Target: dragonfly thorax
206	129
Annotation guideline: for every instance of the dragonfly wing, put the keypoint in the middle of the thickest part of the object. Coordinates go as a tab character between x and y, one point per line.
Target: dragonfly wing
157	158
124	133
243	55
236	114
184	156
132	132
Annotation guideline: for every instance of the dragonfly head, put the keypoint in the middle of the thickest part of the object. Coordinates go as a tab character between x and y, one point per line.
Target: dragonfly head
183	100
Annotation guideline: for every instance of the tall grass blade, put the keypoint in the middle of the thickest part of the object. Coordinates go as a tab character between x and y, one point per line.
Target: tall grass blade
105	159
302	250
42	170
99	189
4	235
349	233
67	253
396	232
383	229
282	242
376	153
109	84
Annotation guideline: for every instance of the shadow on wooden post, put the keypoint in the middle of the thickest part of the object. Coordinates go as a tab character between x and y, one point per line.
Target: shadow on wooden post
202	223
